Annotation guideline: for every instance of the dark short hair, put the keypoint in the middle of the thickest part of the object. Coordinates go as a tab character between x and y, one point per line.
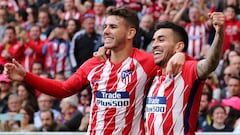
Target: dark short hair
235	77
129	15
231	6
49	110
11	28
213	108
178	31
22	13
35	25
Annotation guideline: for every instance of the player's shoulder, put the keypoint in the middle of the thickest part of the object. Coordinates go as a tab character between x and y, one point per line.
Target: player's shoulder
141	54
145	59
94	61
190	63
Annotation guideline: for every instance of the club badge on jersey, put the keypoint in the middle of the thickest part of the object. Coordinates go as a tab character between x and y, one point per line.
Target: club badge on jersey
126	76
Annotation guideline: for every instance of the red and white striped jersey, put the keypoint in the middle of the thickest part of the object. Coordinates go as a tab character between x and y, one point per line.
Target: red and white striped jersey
118	95
118	92
172	104
76	15
57	57
197	34
32	53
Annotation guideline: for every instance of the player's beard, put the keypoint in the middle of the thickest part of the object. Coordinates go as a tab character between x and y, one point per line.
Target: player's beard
116	43
166	57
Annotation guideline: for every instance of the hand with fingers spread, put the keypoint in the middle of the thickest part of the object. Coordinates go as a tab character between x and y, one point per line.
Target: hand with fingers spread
14	71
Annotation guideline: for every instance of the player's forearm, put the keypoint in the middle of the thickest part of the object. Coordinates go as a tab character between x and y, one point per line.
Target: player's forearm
51	87
214	54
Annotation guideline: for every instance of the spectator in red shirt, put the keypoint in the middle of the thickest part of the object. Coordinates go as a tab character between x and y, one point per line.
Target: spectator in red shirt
10	47
231	29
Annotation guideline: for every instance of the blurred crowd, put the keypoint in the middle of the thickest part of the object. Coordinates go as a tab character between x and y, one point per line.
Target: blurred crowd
52	38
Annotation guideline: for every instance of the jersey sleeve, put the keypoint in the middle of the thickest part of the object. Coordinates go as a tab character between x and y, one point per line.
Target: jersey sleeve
147	61
62	89
37	47
190	70
187	57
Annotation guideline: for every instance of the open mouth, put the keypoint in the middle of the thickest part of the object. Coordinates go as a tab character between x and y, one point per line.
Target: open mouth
157	52
108	40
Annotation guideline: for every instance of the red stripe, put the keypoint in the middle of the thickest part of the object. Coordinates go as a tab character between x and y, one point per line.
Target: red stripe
150	124
64	59
109	121
193	42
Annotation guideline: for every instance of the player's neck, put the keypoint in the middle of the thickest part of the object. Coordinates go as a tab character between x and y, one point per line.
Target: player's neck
164	69
120	55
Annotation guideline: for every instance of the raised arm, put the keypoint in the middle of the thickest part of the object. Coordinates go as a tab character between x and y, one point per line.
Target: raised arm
16	72
206	66
178	16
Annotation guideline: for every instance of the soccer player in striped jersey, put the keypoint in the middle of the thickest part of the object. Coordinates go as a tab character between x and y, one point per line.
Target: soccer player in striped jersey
172	104
119	84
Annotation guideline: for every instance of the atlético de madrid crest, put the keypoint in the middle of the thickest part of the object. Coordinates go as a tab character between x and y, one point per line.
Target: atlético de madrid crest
126	76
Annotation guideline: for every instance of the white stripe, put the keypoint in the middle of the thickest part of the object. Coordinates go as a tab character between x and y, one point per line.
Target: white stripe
27	63
197	50
190	32
178	98
67	15
141	77
67	71
61	54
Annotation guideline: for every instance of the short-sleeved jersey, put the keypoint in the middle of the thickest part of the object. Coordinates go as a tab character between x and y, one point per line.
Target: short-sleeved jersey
172	104
197	34
118	95
118	92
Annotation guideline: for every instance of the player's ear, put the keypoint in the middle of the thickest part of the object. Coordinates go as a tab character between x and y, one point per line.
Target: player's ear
179	46
131	33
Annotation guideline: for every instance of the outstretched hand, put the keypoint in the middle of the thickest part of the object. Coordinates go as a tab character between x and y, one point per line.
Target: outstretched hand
14	71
